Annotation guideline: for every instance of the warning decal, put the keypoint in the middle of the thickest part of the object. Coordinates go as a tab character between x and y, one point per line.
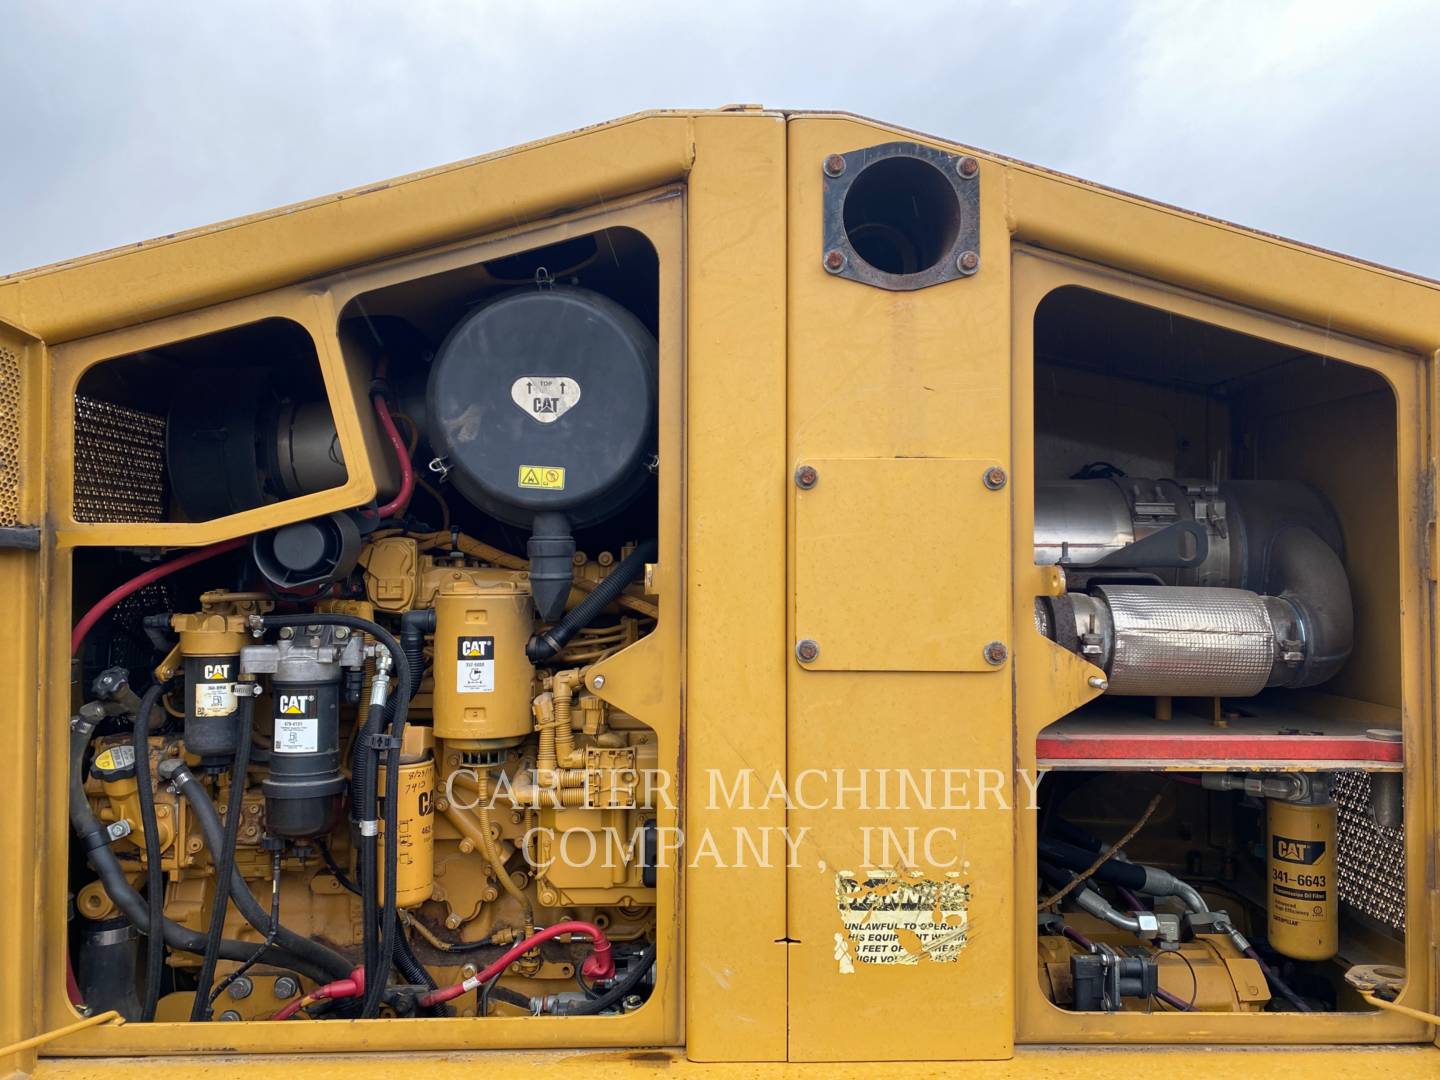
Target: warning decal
475	667
544	477
545	398
115	758
900	917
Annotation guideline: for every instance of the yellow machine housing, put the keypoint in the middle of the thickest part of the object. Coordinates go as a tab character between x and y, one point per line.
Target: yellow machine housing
842	835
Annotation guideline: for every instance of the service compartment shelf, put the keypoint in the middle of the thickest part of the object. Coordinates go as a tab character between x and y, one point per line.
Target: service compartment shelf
1126	735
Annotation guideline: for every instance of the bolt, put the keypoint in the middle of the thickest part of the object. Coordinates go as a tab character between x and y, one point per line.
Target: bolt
240	989
631	1002
605	558
1099	682
229	1016
995	478
598	682
807	650
996	653
967	167
968	262
467	971
834	165
287	632
835	260
453	922
285	988
806	477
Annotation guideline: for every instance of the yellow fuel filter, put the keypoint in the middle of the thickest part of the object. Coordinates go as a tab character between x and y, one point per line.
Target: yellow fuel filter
482	677
415	820
1304	921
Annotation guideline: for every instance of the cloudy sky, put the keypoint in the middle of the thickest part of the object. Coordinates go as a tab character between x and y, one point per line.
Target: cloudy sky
125	119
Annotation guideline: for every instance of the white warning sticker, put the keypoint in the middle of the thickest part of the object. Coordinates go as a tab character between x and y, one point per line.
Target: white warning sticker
475	665
903	917
545	398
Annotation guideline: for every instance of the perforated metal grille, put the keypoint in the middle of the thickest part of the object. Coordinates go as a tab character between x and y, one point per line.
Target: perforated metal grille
1370	859
9	437
119	462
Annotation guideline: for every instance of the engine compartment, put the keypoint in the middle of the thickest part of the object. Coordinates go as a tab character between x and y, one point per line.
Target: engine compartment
241	716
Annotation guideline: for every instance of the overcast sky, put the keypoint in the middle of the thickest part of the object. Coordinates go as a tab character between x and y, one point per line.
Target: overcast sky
127	119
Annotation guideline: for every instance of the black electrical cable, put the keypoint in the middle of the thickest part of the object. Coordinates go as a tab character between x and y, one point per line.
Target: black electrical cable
379	955
1194	980
225	858
415	973
620	990
224	984
547	643
336	870
154	874
492	989
95	843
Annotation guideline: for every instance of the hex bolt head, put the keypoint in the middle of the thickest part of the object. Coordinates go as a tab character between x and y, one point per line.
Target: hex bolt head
996	653
834	165
968	262
1099	682
835	260
806	477
241	988
286	988
995	478
598	682
968	167
807	650
229	1016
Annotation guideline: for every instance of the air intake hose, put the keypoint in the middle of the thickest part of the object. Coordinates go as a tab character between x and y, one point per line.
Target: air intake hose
547	643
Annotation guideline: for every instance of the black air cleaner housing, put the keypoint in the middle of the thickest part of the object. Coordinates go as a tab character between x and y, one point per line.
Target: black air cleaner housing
542	405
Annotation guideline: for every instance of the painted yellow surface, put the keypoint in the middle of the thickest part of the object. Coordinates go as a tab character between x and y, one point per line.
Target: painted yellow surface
1038	1064
782	364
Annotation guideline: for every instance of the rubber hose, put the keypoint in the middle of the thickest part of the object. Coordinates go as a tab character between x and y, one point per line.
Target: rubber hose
1112	871
224	857
154	874
112	876
547	643
320	956
414	625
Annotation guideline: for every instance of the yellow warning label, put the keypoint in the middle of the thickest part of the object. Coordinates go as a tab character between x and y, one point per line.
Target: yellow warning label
544	477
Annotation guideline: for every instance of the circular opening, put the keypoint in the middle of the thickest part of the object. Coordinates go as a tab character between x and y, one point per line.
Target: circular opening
901	215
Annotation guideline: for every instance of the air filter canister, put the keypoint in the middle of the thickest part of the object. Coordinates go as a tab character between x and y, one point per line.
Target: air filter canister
541	406
544	401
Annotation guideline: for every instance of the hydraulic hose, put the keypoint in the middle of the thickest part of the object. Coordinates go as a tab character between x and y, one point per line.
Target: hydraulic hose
1148	880
224	857
95	842
320	957
547	643
1090	901
154	874
378	955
